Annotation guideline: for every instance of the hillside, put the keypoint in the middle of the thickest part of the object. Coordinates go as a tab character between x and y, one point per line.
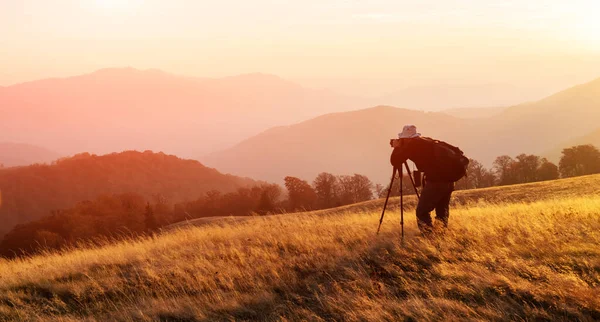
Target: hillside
339	143
128	109
356	142
518	193
32	192
17	154
539	126
533	260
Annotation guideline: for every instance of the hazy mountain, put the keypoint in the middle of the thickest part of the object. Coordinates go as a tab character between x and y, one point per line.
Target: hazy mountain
474	112
32	192
15	154
340	143
121	109
539	126
441	97
591	138
357	142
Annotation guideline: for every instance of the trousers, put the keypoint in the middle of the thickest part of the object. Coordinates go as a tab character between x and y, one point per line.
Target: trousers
435	195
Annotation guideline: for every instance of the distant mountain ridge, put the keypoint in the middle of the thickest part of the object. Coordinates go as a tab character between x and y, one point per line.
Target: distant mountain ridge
341	143
357	142
19	154
540	126
116	109
32	192
125	108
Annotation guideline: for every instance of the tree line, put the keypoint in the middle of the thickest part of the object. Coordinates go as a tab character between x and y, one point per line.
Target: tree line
127	214
124	215
575	161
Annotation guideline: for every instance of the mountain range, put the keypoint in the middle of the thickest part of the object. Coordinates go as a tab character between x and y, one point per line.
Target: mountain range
265	127
117	109
124	109
357	141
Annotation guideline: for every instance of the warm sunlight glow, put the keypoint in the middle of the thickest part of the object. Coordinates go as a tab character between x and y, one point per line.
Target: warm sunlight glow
588	30
117	5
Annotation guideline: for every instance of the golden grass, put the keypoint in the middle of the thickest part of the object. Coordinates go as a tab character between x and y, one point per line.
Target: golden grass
516	260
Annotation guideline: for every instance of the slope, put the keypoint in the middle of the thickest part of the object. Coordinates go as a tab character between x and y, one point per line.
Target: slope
519	193
341	143
32	192
356	142
499	261
539	126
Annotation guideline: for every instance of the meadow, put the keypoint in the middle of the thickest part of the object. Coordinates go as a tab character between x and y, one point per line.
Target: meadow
524	252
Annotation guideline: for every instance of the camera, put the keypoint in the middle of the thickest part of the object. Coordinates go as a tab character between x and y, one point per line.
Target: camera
392	141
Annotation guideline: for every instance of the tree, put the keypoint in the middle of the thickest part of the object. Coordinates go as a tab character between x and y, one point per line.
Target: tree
525	168
353	189
150	219
301	194
212	202
503	169
362	188
407	188
547	170
162	210
579	160
269	196
477	177
379	190
344	189
325	185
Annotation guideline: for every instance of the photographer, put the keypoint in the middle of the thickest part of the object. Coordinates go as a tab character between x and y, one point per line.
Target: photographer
438	181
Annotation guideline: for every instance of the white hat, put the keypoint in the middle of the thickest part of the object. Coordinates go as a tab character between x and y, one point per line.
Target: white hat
409	132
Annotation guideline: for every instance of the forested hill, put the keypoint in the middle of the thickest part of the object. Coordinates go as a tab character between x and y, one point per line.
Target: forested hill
31	192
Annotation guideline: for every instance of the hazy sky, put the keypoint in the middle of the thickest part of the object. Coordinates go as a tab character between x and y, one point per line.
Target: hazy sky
349	45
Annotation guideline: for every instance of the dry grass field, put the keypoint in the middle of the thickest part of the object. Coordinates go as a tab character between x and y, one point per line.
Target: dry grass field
527	252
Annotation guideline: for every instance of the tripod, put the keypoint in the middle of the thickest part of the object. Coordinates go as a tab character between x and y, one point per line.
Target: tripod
401	196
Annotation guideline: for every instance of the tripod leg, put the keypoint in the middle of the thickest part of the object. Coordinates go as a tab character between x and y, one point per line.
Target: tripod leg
386	199
412	180
401	205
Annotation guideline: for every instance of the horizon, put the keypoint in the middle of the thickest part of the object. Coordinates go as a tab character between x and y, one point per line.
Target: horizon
349	47
468	86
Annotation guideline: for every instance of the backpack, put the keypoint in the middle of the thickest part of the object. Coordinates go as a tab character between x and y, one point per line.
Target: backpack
451	162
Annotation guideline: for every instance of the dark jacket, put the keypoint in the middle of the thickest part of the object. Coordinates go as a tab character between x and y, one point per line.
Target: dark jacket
419	151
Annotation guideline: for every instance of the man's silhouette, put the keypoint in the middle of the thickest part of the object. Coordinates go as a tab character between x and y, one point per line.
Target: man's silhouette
437	188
